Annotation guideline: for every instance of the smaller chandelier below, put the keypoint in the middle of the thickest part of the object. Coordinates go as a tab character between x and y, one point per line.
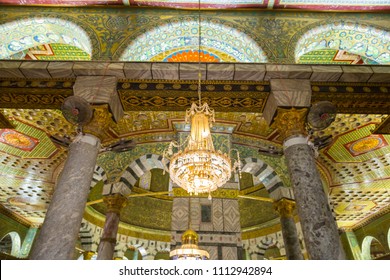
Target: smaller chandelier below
198	168
189	249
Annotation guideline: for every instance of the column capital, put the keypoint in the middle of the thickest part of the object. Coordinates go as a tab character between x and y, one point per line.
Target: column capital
114	202
291	121
88	255
100	121
285	207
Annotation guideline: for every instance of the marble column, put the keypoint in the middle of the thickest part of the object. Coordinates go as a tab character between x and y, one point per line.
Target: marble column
318	224
59	232
107	244
285	208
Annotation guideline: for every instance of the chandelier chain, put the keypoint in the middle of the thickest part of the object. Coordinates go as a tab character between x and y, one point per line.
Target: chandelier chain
199	64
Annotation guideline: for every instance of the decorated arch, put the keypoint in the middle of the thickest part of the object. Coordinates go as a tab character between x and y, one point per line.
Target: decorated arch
139	167
178	41
369	43
265	174
20	35
11	244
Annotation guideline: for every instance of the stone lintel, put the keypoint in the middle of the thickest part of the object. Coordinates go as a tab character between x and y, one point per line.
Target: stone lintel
100	90
10	69
287	93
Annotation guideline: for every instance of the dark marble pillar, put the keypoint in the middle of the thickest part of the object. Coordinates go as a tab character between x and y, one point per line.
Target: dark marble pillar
318	225
285	208
107	244
59	232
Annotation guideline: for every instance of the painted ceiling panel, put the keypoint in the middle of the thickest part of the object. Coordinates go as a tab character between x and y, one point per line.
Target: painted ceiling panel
324	5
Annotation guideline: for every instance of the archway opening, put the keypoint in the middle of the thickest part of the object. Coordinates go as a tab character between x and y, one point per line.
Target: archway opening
372	249
344	43
45	39
10	244
178	41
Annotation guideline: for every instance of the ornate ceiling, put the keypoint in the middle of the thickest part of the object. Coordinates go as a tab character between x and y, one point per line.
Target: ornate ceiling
355	167
346	5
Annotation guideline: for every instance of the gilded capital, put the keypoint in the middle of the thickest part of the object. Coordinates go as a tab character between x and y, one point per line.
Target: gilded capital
291	121
100	121
88	255
285	207
114	202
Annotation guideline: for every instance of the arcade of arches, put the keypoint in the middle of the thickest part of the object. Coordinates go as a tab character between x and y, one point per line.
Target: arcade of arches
305	191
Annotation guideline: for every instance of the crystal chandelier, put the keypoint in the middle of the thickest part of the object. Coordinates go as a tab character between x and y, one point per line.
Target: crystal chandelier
189	249
198	168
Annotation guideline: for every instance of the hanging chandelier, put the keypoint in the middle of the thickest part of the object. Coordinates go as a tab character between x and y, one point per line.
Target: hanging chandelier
196	166
189	249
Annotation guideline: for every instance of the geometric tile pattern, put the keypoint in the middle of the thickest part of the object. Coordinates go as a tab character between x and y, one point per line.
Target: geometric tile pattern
222	232
359	201
56	52
229	253
358	145
328	56
180	214
26	142
17	140
365	145
231	216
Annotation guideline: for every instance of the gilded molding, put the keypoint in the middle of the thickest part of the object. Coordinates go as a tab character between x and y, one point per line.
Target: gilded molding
219	193
285	207
93	216
15	217
291	122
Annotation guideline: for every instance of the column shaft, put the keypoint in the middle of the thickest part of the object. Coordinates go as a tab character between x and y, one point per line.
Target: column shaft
108	240
290	238
59	232
285	208
318	225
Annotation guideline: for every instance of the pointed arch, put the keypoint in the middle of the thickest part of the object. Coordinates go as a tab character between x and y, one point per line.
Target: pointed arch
87	236
361	39
23	34
139	167
98	175
259	251
221	41
11	244
263	173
